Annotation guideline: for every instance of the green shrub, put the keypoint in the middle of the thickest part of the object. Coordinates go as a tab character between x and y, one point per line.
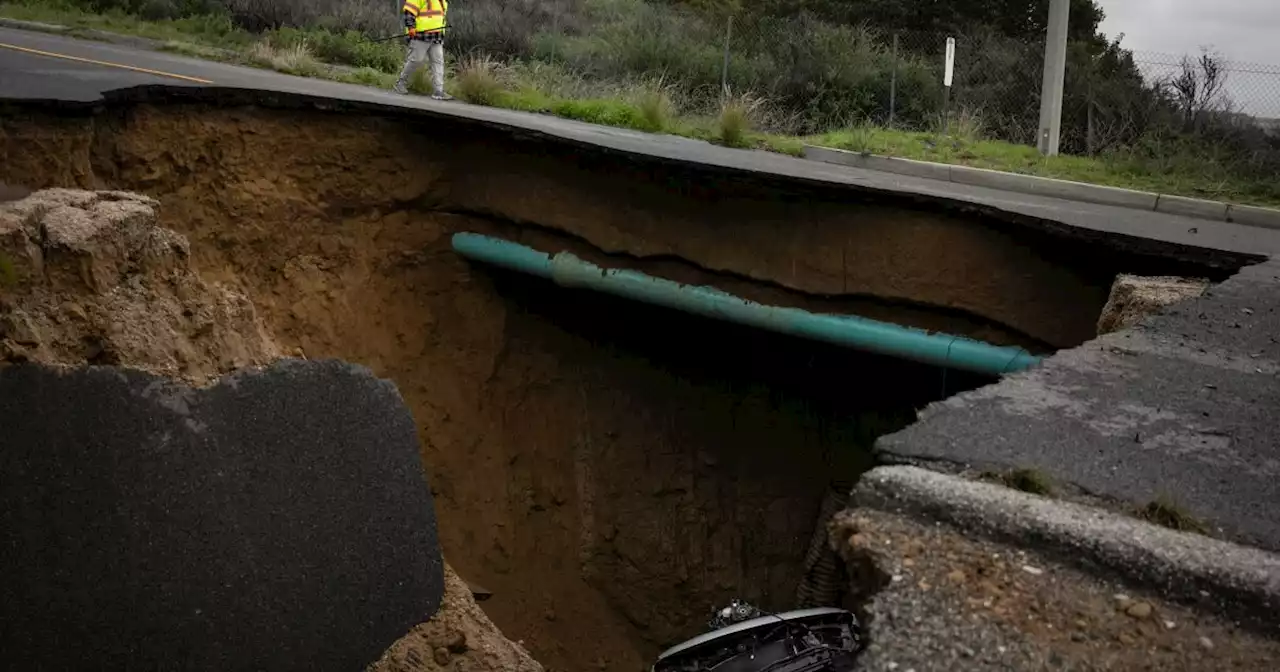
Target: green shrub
479	80
657	111
1165	512
735	120
608	112
1031	481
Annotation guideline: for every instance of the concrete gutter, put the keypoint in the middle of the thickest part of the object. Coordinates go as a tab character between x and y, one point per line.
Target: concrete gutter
1044	186
1188	568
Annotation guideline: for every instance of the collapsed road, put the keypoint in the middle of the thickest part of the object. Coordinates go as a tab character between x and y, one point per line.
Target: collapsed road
583	450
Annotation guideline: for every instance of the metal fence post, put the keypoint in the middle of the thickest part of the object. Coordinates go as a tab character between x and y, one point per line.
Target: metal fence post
724	72
1091	140
893	82
555	35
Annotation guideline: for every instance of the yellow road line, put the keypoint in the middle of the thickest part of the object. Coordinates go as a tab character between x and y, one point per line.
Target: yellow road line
158	73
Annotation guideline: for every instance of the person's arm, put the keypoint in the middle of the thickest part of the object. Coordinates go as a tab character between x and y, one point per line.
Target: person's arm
411	17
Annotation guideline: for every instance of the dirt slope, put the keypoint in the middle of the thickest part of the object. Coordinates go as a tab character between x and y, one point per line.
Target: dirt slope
88	278
459	638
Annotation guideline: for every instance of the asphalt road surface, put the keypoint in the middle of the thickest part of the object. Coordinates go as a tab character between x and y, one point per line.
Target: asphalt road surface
42	66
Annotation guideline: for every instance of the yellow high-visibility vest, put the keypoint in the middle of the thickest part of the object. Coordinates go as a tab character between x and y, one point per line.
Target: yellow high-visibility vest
428	14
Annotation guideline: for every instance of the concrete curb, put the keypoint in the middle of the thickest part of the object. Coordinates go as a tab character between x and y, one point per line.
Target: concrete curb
1239	580
37	26
87	33
1045	186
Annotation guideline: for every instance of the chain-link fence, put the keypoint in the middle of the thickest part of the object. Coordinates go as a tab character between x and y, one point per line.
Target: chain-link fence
1209	79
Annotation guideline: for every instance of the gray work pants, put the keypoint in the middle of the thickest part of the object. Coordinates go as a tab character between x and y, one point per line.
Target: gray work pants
419	51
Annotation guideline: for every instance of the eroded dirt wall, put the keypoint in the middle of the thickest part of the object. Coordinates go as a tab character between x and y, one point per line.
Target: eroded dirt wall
1022	289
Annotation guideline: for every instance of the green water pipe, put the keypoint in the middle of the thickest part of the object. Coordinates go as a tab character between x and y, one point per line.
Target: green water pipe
849	331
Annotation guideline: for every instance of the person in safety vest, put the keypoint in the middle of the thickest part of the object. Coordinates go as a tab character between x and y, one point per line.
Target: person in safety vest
424	23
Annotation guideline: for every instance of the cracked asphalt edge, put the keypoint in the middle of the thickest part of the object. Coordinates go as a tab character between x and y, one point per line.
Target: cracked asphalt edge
1238	582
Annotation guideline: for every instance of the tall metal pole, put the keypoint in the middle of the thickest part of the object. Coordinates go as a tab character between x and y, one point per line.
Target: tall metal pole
893	83
1055	77
724	72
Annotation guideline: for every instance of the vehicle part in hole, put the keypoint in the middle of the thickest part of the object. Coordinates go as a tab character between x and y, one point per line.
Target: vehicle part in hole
736	612
850	331
823	639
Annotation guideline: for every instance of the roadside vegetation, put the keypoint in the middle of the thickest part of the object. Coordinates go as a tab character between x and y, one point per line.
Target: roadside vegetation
822	78
1031	481
1166	512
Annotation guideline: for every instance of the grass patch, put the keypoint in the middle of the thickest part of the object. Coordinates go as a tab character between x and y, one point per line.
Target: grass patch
367	77
1031	481
1164	511
603	111
296	59
527	99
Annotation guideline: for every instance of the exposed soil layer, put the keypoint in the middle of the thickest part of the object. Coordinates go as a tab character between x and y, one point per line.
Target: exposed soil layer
609	471
88	278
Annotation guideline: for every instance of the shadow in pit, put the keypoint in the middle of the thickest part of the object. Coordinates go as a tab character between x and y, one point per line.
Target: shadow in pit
831	381
852	398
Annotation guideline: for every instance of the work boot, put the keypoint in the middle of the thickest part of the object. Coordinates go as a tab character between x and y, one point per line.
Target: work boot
441	95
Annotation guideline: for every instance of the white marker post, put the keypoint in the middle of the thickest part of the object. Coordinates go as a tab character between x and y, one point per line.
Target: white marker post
947	75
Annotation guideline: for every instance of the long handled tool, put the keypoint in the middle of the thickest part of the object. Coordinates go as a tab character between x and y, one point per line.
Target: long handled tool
400	36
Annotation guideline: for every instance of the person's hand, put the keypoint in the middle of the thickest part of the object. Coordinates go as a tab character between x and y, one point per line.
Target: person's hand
413	32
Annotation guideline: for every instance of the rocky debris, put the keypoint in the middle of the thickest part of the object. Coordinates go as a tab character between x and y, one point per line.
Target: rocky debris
1134	297
90	277
459	638
956	603
1238	581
